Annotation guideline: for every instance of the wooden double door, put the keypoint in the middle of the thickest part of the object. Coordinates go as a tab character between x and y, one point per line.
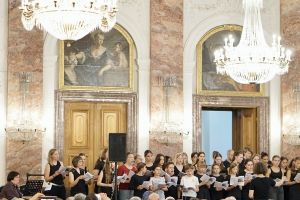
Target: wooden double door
87	127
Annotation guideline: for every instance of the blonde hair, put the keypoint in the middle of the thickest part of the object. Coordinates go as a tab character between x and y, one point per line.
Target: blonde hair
177	156
50	153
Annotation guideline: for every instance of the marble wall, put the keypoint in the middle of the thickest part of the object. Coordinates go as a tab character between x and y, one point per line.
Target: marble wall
290	83
166	73
25	54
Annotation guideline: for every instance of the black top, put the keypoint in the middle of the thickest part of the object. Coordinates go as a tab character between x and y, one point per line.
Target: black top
172	190
59	180
108	180
275	175
203	189
216	195
150	168
80	186
226	164
235	192
261	186
246	186
135	181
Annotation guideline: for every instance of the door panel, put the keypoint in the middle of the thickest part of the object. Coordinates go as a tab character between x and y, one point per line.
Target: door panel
245	129
87	125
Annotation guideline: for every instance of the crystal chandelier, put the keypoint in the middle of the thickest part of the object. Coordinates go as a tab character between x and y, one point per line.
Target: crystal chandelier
69	19
252	60
24	128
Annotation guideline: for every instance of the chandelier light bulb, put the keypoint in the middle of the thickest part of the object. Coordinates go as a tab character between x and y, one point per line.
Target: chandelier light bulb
252	61
69	20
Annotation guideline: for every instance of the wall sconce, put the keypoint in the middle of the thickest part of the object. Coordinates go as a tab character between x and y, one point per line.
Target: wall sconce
24	128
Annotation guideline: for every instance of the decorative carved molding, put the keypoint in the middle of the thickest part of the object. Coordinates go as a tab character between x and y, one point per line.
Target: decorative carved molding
92	96
261	103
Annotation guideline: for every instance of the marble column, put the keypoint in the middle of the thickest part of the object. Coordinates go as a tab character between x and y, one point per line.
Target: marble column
166	72
290	83
25	54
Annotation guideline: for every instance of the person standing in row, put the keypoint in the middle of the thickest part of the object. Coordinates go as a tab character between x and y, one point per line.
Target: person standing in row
53	175
124	191
149	160
105	179
203	192
137	180
294	192
99	166
76	177
275	173
248	174
233	190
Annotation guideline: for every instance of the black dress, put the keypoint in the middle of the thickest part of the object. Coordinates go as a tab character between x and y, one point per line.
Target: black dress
107	180
246	187
234	192
58	189
80	186
214	194
294	192
203	190
286	188
135	181
98	166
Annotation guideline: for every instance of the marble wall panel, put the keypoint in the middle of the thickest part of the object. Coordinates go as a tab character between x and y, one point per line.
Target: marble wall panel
166	35
25	54
290	83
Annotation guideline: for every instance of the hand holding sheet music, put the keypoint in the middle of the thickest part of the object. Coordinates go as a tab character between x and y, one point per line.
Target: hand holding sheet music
88	176
297	178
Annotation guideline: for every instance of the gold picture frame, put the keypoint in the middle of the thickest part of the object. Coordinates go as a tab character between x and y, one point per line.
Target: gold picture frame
99	61
208	81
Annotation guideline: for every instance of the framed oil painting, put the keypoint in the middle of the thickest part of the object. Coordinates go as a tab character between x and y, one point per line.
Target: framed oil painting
208	81
99	61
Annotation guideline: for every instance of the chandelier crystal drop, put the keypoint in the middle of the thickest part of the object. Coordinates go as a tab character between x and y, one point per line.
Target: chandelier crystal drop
252	61
69	19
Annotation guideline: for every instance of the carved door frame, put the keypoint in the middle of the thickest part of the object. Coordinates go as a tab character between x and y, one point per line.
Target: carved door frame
261	103
88	96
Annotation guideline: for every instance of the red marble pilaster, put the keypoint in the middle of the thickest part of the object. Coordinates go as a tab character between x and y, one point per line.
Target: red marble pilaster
166	90
290	83
25	54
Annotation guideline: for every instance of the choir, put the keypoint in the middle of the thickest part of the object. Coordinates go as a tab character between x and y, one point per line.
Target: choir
241	176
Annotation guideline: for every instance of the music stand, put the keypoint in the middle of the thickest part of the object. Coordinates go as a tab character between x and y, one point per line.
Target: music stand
33	186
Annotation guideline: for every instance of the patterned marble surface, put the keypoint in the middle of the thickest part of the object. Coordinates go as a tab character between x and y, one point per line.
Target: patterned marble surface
166	35
290	23
25	54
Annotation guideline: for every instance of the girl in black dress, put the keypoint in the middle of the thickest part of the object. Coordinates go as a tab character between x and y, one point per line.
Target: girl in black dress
275	173
216	192
53	175
233	190
284	168
76	177
99	167
137	180
105	179
294	192
248	174
203	187
260	185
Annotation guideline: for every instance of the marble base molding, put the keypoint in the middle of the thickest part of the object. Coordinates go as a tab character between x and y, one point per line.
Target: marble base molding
89	96
261	103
